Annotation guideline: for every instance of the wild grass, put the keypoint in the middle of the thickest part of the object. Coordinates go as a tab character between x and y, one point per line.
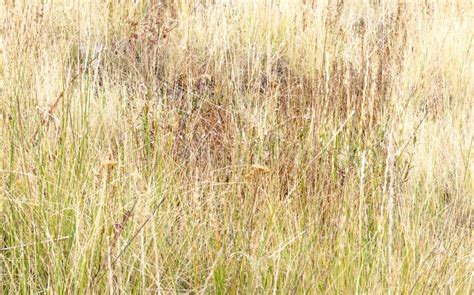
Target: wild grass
236	146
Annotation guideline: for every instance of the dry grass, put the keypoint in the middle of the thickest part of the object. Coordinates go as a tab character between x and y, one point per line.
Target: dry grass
236	146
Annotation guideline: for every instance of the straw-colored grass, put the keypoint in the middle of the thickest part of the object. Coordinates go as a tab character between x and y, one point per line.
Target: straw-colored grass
261	146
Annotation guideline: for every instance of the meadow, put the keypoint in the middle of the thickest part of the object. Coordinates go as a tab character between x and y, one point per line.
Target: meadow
254	146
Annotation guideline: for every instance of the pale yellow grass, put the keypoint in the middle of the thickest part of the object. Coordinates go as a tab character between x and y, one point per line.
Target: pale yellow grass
236	146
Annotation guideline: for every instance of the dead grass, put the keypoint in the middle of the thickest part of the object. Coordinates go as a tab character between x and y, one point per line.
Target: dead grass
256	146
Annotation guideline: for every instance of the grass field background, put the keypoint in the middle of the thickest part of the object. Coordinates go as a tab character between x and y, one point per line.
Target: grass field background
236	146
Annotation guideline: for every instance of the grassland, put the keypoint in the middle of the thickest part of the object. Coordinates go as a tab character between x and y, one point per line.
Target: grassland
282	146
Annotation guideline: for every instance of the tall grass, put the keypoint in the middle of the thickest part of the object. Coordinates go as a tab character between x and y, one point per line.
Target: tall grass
236	146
